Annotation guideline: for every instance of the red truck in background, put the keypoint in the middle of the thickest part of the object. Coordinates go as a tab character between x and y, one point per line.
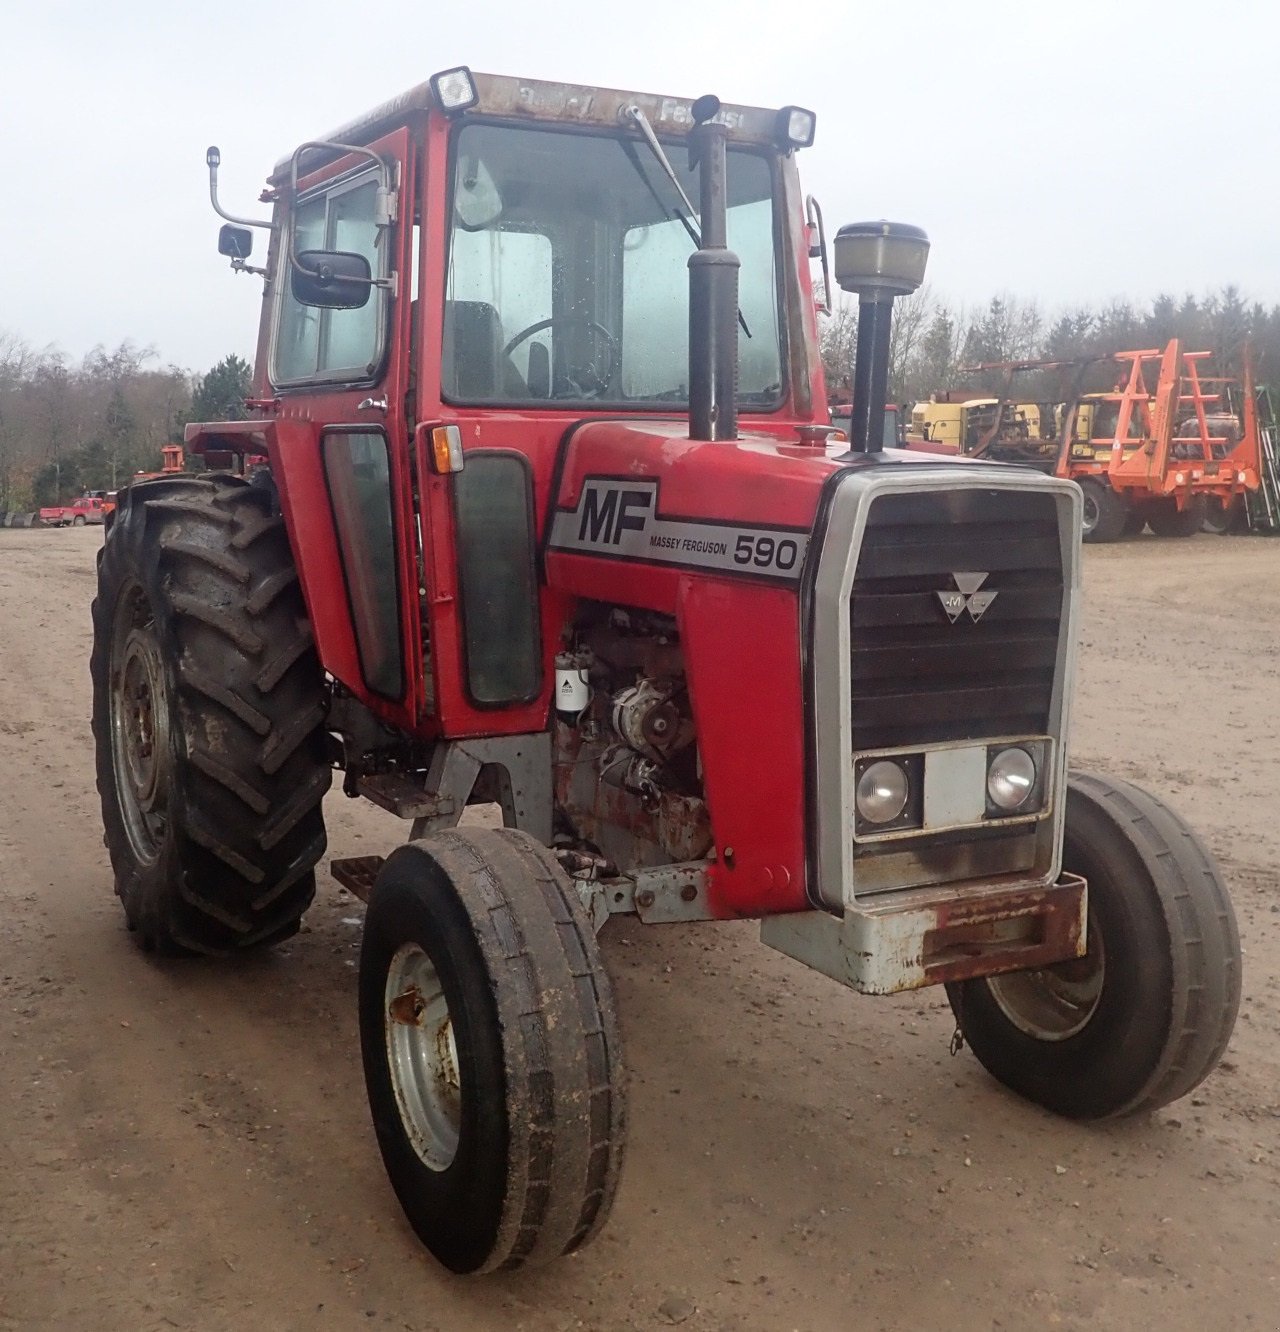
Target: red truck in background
89	508
894	427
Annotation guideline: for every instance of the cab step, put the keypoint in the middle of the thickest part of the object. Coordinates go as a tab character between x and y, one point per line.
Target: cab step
357	874
401	795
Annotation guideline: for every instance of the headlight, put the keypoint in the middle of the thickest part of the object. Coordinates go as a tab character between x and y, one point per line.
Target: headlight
882	792
1011	779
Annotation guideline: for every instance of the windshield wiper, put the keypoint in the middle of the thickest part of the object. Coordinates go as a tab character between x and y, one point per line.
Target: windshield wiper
686	219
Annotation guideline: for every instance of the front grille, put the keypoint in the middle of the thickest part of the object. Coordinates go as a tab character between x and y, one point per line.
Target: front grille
918	678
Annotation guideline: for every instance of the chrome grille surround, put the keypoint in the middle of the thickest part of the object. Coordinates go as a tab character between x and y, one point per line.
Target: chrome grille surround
1015	852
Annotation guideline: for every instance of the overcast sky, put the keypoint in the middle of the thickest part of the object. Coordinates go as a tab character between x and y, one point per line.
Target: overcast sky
1073	152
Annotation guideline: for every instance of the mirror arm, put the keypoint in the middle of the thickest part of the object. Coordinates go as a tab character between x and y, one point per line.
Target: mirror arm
239	266
213	159
386	207
813	218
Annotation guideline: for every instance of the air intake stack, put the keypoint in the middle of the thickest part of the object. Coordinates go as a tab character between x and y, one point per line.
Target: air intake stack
713	288
880	261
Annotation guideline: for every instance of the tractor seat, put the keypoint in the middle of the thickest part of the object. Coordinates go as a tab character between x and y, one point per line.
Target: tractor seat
472	367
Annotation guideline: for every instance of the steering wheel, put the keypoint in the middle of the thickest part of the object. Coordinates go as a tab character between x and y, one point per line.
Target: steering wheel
581	381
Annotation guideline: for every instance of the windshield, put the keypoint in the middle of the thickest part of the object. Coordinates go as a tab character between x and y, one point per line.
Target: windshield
568	277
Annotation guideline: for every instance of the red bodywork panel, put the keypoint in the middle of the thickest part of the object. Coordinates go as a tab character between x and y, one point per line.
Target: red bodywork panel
741	636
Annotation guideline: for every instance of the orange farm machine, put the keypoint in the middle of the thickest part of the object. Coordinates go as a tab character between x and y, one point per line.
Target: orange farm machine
1166	447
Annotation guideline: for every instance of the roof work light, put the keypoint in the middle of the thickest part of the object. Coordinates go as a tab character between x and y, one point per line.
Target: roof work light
454	90
796	127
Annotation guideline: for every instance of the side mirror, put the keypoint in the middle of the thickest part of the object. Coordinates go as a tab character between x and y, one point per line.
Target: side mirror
332	279
235	242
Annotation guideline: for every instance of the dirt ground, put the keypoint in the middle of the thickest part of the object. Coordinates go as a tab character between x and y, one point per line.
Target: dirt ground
187	1145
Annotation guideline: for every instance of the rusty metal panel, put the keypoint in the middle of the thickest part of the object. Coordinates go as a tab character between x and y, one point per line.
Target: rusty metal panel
927	936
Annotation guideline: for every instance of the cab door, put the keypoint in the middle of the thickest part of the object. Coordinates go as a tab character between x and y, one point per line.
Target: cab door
341	377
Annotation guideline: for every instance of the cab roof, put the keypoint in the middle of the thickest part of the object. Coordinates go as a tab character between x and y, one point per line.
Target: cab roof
513	98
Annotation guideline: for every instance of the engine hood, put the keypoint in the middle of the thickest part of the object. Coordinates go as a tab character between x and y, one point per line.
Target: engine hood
645	492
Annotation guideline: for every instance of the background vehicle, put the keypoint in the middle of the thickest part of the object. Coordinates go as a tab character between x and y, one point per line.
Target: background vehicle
1157	450
88	508
894	433
534	533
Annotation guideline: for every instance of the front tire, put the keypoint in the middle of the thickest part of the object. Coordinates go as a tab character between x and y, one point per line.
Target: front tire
208	710
78	520
491	1050
1146	1014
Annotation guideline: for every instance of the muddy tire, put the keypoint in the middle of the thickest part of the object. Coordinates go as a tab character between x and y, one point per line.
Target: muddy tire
491	1050
208	704
1166	520
1105	513
78	520
1145	1016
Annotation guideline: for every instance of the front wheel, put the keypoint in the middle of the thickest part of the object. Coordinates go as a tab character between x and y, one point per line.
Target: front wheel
1145	1015
492	1057
78	520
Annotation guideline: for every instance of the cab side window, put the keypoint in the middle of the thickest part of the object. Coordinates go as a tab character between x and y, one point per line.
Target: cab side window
340	345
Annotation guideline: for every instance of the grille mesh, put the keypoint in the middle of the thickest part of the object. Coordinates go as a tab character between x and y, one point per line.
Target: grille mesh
917	677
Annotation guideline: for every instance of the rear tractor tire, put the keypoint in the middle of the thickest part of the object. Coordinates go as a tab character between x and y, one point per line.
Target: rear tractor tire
208	711
1167	520
1105	513
1146	1014
1222	518
492	1057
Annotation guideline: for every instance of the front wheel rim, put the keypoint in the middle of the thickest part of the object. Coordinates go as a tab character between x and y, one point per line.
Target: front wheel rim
1089	516
1057	1002
422	1055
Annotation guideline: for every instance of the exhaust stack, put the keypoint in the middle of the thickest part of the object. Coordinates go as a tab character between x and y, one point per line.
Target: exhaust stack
713	288
880	261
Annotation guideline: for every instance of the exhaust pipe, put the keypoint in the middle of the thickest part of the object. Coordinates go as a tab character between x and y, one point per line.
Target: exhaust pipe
713	288
880	261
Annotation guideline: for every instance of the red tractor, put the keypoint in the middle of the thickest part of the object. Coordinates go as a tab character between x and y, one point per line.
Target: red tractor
552	521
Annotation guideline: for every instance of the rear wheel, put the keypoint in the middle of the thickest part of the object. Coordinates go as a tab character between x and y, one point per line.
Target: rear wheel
208	706
1167	520
1221	518
1135	521
1146	1014
1105	512
78	520
491	1050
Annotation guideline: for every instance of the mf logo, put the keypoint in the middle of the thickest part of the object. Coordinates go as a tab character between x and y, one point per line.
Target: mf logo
967	597
610	510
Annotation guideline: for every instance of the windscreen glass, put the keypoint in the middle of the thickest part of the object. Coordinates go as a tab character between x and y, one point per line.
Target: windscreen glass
568	277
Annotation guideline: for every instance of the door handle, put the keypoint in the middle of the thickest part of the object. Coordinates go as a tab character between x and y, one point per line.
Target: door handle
372	404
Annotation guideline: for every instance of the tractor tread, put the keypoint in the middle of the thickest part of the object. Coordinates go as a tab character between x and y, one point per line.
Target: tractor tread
210	555
245	823
1206	974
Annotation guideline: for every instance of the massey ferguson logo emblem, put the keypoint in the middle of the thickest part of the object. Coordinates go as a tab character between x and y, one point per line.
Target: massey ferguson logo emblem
619	519
967	597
